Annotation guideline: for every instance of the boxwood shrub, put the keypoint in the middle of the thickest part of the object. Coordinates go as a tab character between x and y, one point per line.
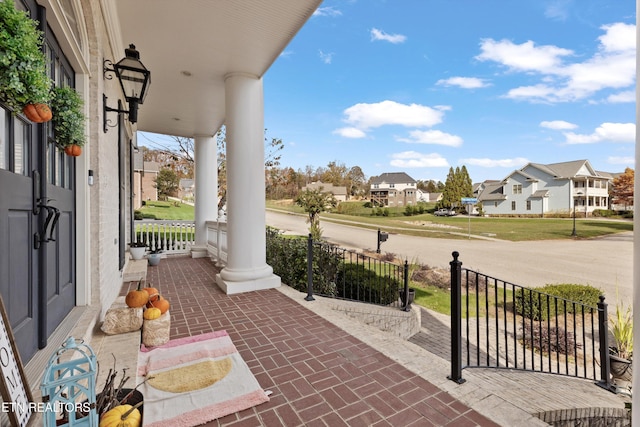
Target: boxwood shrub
355	282
542	303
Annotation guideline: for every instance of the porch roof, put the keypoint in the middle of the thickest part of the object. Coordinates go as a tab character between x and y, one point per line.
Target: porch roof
190	46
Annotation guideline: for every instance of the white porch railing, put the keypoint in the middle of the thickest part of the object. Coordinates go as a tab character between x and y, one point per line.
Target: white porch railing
217	241
173	237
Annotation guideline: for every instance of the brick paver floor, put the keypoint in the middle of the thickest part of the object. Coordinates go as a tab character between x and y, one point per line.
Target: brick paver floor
318	373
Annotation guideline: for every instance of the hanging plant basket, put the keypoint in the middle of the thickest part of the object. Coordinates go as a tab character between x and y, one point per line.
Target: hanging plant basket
23	72
73	150
37	113
68	120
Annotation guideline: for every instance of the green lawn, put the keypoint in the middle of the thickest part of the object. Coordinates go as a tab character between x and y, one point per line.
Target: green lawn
167	210
459	227
438	299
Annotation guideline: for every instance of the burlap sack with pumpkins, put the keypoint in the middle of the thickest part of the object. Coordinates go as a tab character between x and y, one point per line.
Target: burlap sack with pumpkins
120	318
156	330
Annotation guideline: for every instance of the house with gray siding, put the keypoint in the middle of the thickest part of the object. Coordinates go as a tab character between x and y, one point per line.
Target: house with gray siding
393	189
538	189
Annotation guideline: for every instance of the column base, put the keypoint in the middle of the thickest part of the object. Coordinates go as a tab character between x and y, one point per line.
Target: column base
199	252
232	287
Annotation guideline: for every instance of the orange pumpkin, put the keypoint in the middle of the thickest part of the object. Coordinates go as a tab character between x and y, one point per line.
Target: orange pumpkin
37	113
136	298
73	150
160	303
153	293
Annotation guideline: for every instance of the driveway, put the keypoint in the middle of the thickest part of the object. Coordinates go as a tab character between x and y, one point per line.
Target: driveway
605	263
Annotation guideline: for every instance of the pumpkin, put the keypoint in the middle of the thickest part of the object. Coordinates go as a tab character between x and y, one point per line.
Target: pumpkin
136	298
160	303
122	416
73	150
153	293
152	313
37	113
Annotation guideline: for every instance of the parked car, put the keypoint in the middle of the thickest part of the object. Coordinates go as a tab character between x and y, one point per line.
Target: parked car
445	212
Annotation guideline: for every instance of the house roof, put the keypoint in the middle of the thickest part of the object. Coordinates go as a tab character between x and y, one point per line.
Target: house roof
540	194
527	176
492	191
207	41
186	183
393	178
565	170
327	187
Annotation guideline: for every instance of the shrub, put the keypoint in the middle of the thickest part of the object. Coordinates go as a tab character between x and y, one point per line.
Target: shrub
545	302
385	212
358	283
388	257
548	340
137	215
605	213
408	210
367	205
288	258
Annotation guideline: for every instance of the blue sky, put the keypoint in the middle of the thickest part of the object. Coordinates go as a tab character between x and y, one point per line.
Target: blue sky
423	85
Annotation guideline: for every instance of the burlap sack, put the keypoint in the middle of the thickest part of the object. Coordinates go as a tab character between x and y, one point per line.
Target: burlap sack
120	318
156	332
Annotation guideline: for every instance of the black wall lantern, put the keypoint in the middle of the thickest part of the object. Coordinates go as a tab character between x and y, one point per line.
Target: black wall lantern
134	79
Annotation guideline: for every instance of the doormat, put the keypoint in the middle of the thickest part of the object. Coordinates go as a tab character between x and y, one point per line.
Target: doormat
193	380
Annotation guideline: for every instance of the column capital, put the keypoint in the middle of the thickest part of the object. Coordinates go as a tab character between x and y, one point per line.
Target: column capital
241	74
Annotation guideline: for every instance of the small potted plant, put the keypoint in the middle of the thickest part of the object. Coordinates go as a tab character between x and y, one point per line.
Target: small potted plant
137	250
154	256
24	82
621	356
68	120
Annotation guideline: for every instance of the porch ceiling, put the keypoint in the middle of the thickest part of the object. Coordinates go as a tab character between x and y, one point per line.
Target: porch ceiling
207	39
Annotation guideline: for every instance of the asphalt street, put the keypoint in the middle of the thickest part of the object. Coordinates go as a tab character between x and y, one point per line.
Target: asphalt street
605	263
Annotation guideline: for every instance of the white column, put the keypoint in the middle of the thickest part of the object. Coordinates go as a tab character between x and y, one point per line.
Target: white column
635	415
206	191
246	268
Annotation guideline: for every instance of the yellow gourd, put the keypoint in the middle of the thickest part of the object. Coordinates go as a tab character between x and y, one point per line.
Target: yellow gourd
122	416
152	313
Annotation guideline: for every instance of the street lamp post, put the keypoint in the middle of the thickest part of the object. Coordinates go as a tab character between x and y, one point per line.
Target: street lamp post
573	233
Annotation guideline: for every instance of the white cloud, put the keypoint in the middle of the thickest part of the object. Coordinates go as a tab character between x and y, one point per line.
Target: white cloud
377	34
327	11
350	132
622	97
522	57
606	132
325	57
463	82
557	10
413	159
366	116
492	163
621	160
612	66
432	137
557	125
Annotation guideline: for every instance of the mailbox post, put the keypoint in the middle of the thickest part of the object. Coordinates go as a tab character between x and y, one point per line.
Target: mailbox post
382	237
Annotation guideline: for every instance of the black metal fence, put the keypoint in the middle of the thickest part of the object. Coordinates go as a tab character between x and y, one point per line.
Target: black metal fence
502	325
321	268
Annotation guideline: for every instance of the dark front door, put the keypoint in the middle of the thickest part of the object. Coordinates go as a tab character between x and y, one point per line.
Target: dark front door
19	261
37	225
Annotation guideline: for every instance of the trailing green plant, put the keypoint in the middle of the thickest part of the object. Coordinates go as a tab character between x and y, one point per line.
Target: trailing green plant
549	300
68	118
621	327
23	71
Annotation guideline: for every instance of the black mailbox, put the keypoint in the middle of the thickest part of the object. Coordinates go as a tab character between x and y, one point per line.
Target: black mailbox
382	237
